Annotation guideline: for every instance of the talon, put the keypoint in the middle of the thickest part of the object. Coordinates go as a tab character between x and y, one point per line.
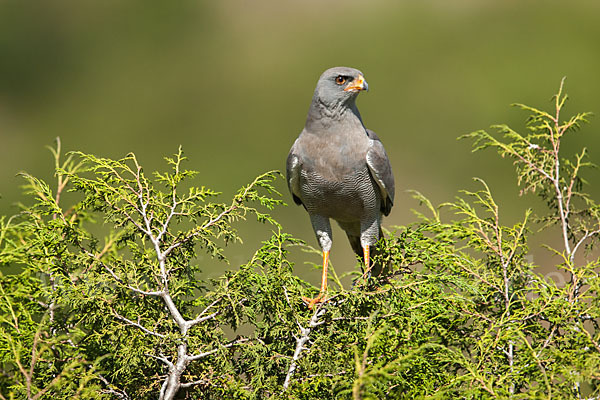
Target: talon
321	297
310	303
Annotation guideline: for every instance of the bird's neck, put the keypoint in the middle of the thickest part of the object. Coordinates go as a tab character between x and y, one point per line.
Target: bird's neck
324	117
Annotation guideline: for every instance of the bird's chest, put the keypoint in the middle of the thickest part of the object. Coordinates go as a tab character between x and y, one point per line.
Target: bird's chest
334	177
335	158
344	200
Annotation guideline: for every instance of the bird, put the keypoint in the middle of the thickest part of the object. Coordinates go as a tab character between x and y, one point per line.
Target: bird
338	169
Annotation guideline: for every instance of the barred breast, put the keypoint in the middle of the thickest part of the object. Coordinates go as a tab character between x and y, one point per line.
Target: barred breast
350	199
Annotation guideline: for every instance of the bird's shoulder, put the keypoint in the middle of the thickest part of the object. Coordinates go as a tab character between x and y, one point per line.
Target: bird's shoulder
372	135
376	153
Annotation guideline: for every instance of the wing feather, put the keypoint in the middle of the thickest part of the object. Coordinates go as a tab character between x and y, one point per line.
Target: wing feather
292	172
381	169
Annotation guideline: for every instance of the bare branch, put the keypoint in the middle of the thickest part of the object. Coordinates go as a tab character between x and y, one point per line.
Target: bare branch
213	351
174	311
136	324
161	358
301	342
111	389
548	340
585	237
136	290
163	388
201	319
190	384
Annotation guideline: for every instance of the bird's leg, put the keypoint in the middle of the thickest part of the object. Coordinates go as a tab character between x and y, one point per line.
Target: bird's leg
324	275
368	266
321	297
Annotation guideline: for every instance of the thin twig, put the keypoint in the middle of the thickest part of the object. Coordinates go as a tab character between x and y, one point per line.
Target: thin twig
138	325
198	382
208	353
111	389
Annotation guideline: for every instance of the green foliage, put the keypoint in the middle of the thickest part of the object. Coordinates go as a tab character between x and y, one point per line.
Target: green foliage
110	300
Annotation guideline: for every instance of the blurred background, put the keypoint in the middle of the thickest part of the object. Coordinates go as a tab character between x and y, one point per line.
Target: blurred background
231	82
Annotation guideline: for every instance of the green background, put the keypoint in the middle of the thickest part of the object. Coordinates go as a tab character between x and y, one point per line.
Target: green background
231	82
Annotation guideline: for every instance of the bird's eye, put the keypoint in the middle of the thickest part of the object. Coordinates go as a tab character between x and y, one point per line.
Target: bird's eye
340	80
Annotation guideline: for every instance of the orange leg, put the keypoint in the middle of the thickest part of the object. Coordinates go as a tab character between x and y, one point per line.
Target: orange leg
324	275
368	266
321	297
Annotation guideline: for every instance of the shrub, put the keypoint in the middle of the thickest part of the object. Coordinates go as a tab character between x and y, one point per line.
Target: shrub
110	300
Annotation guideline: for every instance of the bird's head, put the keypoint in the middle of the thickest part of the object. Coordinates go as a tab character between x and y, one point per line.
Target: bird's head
340	85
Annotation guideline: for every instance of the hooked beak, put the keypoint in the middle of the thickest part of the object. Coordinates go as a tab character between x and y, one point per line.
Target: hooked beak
357	85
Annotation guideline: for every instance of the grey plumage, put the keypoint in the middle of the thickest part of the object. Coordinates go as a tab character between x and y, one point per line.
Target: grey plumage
337	169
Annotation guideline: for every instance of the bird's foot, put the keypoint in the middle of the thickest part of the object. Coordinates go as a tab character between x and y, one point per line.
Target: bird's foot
310	303
366	276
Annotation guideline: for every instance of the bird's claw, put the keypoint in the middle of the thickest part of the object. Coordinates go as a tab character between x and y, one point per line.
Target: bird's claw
366	276
310	303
